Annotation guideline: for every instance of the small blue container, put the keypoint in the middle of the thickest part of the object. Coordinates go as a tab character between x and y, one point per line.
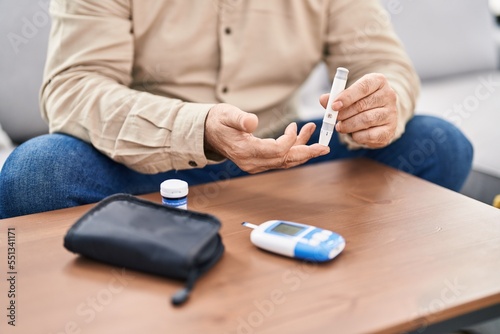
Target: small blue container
174	193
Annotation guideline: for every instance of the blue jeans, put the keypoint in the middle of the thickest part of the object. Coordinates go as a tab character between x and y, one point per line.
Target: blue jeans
58	171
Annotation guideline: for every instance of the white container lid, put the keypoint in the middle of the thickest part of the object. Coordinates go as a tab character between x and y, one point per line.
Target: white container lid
174	188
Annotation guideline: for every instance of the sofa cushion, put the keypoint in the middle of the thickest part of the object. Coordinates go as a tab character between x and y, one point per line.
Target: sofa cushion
472	103
24	28
445	37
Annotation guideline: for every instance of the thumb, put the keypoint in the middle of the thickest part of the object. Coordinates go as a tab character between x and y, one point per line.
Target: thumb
242	121
323	99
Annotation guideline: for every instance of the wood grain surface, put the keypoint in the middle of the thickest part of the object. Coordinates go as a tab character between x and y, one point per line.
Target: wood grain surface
416	254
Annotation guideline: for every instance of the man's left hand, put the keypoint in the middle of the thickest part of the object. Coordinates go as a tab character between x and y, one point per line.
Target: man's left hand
367	111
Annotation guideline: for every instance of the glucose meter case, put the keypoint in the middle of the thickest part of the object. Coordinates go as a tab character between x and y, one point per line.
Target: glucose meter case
130	232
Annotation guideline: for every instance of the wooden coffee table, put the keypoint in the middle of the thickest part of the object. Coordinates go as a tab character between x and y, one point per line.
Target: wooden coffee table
418	257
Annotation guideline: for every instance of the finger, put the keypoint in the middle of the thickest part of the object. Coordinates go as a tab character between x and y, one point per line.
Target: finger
323	99
376	137
365	120
305	134
275	151
365	86
240	120
302	153
295	156
250	122
372	101
288	139
271	148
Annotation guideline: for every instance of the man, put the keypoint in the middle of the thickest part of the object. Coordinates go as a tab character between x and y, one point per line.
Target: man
138	94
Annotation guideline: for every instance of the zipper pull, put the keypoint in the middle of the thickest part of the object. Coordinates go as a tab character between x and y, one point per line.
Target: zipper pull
182	295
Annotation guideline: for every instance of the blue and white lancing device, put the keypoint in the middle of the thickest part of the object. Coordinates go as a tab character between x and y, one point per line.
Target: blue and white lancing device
296	240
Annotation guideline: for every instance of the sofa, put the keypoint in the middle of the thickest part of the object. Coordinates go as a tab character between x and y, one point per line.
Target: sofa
25	27
451	43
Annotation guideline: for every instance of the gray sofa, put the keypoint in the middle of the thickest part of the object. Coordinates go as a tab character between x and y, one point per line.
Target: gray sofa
450	41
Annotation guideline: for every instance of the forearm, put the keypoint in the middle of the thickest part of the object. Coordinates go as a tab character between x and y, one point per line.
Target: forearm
145	132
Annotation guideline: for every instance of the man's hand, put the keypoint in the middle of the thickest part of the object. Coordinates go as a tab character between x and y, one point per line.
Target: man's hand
367	111
228	132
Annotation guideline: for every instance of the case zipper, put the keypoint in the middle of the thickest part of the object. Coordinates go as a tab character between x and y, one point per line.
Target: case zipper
182	295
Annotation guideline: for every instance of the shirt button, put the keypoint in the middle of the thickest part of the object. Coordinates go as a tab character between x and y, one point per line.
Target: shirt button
224	89
228	31
193	163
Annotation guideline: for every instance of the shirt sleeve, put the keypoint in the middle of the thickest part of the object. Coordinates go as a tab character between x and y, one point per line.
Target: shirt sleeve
86	93
360	37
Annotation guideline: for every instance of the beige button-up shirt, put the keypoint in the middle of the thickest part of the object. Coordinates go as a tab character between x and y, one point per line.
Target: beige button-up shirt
137	79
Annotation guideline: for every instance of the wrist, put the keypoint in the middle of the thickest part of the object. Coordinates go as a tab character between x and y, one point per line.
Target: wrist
211	153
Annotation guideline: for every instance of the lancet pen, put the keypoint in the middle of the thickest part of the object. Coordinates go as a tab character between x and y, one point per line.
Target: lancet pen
330	117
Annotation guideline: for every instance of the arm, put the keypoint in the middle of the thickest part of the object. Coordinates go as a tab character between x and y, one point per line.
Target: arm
85	92
383	85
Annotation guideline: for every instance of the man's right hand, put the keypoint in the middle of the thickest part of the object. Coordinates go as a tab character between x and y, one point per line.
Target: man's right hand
228	132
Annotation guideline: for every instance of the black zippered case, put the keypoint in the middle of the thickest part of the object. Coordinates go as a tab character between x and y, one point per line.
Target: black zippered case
130	232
